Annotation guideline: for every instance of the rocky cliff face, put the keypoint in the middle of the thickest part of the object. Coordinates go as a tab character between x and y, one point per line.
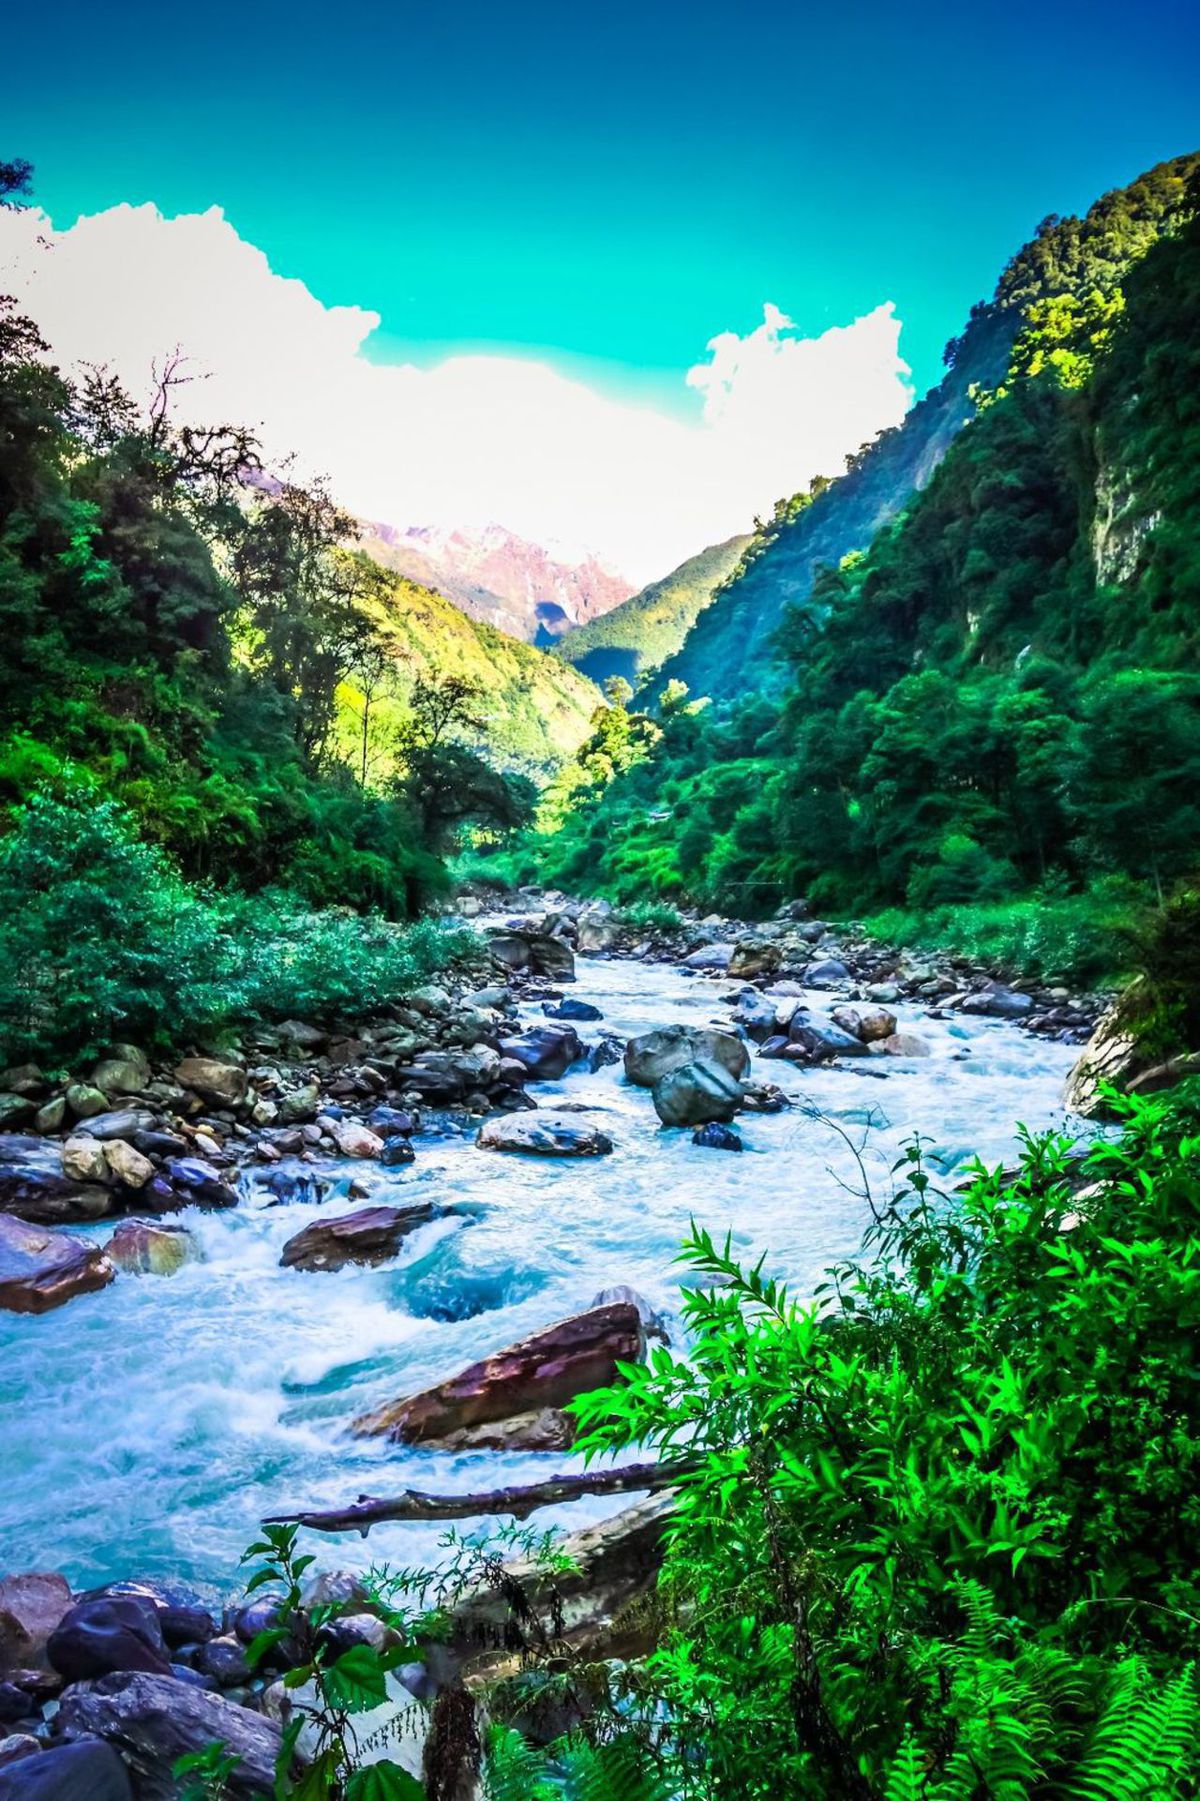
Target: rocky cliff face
500	579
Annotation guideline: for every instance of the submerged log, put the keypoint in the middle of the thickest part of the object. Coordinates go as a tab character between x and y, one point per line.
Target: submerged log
519	1501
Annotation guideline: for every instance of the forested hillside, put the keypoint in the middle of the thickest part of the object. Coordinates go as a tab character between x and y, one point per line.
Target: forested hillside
732	649
1000	697
636	638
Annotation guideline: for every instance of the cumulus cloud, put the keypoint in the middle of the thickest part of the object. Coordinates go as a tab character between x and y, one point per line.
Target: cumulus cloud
476	438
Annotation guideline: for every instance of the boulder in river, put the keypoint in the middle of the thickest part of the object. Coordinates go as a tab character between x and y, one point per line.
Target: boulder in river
299	1105
568	1008
220	1083
544	1371
546	1052
1111	1056
826	973
34	1186
121	1122
819	1040
31	1606
355	1140
196	1183
111	1633
695	1093
87	1771
182	1615
371	1235
876	1022
655	1054
995	1001
541	1134
83	1160
154	1720
900	1044
596	934
84	1100
717	1137
710	956
754	956
41	1269
127	1166
552	957
139	1248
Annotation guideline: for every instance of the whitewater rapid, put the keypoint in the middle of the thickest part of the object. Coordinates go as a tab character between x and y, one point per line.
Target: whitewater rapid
145	1430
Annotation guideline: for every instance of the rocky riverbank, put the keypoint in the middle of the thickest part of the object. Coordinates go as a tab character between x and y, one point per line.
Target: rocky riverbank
152	1668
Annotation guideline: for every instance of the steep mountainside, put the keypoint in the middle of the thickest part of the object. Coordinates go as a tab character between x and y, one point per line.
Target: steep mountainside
731	648
636	637
537	709
500	579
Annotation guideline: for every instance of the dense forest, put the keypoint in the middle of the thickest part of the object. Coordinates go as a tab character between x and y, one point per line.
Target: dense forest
991	717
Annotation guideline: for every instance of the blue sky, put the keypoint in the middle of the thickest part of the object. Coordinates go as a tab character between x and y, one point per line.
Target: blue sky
614	184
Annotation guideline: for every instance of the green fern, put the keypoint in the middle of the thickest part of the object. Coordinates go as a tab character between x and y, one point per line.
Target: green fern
1143	1745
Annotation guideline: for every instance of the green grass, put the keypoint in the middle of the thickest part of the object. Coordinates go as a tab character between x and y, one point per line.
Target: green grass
1077	940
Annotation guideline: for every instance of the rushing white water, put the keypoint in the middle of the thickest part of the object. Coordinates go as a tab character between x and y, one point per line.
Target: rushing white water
146	1429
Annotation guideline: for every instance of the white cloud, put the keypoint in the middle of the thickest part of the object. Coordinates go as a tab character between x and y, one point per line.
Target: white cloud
476	438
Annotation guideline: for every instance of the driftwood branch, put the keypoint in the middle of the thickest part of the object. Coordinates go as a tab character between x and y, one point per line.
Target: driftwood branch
414	1504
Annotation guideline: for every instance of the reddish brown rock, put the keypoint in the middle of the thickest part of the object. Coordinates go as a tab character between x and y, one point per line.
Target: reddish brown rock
545	1371
41	1269
371	1235
31	1606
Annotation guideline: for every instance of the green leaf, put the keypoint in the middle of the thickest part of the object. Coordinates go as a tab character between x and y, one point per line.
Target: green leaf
384	1782
357	1681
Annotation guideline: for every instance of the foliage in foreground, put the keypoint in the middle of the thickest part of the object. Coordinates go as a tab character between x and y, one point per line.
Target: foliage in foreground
942	1542
101	940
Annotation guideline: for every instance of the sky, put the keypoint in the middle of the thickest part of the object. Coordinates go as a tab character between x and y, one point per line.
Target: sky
616	276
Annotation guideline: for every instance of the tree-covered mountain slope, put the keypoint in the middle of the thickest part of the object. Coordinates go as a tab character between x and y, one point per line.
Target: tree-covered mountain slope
634	639
731	649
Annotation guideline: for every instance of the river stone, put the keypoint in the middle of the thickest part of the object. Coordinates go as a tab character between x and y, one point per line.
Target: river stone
546	1052
12	1749
826	973
222	1084
15	1110
754	957
820	1039
299	1104
83	1160
31	1606
121	1075
510	949
571	1009
710	956
542	1134
997	1002
41	1269
878	1022
355	1140
696	1093
655	1054
111	1633
755	1014
139	1248
301	1034
552	957
155	1720
88	1771
717	1137
196	1182
371	1235
544	1371
224	1659
84	1100
1110	1056
900	1044
51	1117
130	1168
596	934
182	1615
34	1187
125	1122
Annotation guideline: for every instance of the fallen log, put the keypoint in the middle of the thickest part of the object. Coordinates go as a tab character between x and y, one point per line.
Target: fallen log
519	1501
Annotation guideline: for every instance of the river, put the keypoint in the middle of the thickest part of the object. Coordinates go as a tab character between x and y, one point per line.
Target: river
146	1429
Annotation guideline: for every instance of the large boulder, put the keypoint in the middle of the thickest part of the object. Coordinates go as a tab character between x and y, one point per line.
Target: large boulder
111	1633
83	1160
819	1040
995	1001
126	1072
371	1235
596	934
544	1371
35	1187
220	1083
87	1771
127	1166
545	1052
182	1615
754	956
656	1054
41	1269
139	1248
122	1122
543	1135
155	1720
873	1023
1111	1057
695	1093
195	1183
710	956
552	957
31	1606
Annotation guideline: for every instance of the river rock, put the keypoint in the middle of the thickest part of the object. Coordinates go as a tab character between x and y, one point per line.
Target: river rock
900	1044
52	1117
128	1166
139	1248
655	1054
154	1720
182	1615
547	1370
388	1121
299	1104
84	1100
546	1052
717	1137
755	1014
510	949
301	1035
596	935
111	1633
41	1269
88	1771
571	1009
220	1083
997	1002
827	973
396	1152
754	956
1110	1056
355	1140
710	956
877	1022
15	1110
123	1122
820	1040
34	1187
126	1073
196	1183
371	1235
542	1134
83	1160
552	957
12	1749
224	1659
31	1606
695	1093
